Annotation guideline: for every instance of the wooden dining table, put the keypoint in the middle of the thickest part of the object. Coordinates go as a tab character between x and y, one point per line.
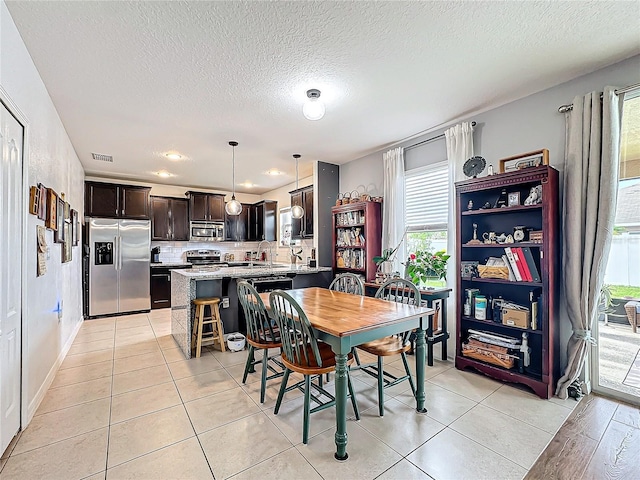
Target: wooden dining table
344	320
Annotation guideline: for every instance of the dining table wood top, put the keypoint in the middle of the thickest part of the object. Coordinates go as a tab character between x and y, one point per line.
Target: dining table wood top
344	314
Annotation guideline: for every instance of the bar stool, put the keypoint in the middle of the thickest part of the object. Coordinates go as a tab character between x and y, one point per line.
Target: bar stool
216	334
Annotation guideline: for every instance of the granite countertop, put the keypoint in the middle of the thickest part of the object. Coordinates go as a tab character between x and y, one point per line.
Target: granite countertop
212	272
170	264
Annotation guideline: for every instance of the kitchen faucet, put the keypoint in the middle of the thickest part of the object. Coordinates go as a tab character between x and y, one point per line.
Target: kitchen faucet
270	251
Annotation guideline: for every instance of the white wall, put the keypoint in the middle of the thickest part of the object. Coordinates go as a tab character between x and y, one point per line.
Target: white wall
524	125
53	162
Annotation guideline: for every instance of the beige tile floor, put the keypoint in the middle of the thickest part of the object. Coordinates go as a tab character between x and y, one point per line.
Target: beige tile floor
126	404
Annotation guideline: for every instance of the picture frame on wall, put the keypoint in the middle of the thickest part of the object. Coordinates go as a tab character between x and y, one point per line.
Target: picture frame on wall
66	244
75	228
44	202
67	212
59	232
52	209
525	160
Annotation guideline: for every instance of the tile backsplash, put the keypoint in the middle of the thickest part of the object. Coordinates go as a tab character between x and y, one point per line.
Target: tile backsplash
175	251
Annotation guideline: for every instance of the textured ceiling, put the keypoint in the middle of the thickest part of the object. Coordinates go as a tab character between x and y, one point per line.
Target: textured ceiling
137	79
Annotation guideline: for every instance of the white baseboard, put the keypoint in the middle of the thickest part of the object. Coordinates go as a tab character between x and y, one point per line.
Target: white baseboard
44	388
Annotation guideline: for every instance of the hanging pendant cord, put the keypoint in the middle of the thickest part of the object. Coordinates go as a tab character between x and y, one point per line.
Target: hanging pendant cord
296	173
233	173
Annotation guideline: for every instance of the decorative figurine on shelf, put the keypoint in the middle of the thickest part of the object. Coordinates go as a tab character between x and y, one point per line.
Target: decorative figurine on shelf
470	205
490	171
535	196
357	237
486	206
474	240
502	200
509	239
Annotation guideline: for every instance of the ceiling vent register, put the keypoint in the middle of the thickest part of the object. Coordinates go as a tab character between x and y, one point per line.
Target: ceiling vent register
102	158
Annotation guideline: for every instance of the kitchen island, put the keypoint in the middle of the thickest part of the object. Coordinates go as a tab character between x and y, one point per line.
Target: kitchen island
203	282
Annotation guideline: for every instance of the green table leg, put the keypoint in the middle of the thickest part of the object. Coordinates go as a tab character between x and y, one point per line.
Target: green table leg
420	359
341	407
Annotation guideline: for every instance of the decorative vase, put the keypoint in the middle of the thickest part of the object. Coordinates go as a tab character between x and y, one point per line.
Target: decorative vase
294	259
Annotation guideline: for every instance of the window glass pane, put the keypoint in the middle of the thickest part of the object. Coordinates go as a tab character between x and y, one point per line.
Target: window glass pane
433	241
630	137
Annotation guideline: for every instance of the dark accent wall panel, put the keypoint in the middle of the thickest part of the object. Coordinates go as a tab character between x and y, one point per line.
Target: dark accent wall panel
327	187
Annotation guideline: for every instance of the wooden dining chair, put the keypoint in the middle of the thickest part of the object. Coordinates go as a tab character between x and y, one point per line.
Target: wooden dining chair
401	291
262	334
304	354
347	283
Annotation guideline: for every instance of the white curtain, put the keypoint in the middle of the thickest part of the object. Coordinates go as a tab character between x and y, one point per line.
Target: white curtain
459	148
393	207
590	190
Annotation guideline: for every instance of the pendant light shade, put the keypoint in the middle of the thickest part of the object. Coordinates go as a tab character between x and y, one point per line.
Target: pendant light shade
233	207
313	109
296	210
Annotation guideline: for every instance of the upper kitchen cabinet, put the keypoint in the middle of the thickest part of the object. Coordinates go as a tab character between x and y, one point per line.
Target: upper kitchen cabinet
302	227
169	219
262	221
116	201
236	227
206	207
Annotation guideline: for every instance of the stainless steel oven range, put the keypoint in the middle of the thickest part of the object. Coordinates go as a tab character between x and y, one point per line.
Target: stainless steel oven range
203	257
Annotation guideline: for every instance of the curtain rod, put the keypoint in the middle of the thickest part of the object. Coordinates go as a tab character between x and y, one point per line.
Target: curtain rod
437	137
569	107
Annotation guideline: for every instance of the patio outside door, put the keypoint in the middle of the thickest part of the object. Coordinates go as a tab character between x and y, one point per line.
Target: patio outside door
11	211
616	358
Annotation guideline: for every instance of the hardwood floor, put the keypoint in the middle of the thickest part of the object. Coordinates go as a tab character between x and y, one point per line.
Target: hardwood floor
599	440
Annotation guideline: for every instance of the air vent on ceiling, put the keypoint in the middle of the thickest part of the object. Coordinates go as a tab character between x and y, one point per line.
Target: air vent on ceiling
102	158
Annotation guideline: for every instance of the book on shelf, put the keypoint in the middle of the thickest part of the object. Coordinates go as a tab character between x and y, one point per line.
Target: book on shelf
522	264
505	260
535	275
512	262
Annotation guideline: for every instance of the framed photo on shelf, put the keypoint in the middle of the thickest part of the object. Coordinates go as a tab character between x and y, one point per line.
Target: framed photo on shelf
469	269
59	232
513	199
525	160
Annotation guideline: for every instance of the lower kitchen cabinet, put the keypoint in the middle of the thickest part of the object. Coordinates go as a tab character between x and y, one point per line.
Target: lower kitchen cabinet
161	286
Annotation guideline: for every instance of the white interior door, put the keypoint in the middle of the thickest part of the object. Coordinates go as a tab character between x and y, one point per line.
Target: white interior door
11	208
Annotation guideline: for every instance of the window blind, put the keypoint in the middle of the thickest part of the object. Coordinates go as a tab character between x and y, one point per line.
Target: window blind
427	197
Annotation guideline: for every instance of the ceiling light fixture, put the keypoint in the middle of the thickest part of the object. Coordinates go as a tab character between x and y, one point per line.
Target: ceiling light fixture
164	174
173	156
273	172
233	206
296	210
313	109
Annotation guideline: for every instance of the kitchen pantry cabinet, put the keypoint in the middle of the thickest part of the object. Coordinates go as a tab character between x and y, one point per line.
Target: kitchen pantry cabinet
302	227
236	227
169	219
206	207
262	221
113	200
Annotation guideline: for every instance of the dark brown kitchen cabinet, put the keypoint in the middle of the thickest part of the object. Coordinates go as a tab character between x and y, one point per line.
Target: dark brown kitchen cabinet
302	227
160	285
169	219
206	207
262	221
116	201
236	227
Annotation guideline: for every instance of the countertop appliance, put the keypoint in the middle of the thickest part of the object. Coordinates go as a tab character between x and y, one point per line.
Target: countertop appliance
118	265
206	231
203	257
155	255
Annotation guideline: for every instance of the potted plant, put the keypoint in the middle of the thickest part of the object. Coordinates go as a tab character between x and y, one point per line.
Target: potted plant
426	267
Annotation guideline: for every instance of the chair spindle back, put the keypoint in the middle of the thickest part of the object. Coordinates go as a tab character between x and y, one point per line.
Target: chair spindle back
260	328
348	283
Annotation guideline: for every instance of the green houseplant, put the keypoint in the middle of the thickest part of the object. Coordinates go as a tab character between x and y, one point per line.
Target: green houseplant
424	266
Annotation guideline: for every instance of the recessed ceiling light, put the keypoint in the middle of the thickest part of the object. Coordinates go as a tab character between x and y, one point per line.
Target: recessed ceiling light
173	156
248	184
164	174
273	171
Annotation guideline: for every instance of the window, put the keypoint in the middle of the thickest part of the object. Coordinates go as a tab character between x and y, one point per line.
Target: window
427	207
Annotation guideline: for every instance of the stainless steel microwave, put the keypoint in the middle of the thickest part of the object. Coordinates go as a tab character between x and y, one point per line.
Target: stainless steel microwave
206	231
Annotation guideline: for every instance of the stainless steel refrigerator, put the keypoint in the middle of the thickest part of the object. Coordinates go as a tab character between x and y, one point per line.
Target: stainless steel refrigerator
119	265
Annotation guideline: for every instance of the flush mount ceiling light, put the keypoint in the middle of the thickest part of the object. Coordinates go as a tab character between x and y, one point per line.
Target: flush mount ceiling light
248	184
313	109
164	174
233	206
173	156
273	172
296	210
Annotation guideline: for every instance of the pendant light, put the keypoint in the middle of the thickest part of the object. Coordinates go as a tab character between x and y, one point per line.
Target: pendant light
296	210
313	109
233	206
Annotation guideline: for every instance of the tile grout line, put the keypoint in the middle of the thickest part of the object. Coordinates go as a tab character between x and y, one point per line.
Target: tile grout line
106	457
